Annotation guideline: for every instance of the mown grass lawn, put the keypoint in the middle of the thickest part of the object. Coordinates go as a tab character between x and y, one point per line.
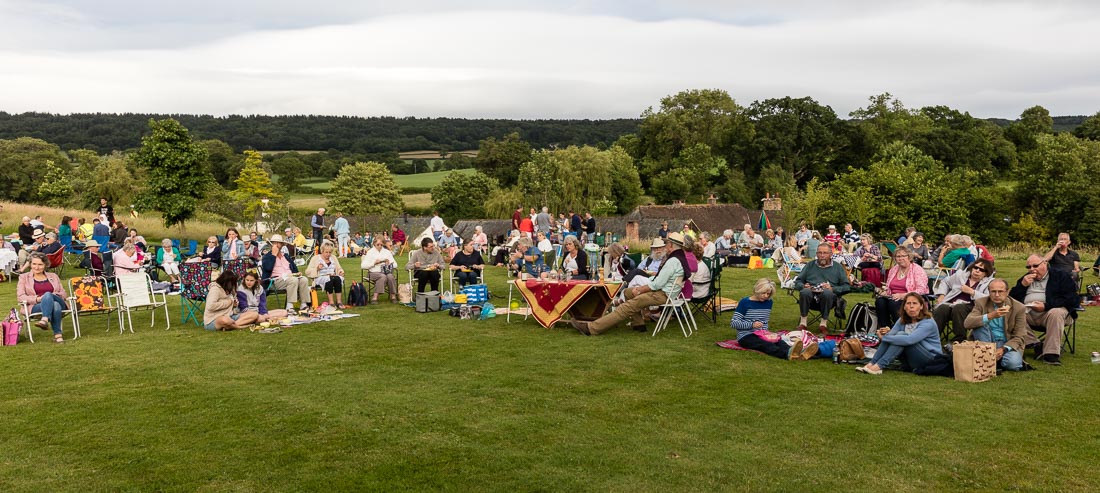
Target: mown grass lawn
395	400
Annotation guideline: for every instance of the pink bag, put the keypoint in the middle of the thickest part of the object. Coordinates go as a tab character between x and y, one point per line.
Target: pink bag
766	335
11	328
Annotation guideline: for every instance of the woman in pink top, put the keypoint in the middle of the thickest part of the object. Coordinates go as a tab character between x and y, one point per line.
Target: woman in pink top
125	259
43	293
904	277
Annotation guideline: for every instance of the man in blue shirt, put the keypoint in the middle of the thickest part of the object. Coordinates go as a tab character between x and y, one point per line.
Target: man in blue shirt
999	319
343	233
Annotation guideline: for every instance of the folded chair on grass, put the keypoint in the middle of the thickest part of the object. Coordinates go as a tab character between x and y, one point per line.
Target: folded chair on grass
135	292
91	295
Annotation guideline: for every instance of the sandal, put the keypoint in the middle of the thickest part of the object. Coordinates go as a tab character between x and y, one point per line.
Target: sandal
59	339
43	323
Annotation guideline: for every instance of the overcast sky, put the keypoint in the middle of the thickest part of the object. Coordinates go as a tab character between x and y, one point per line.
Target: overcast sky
546	59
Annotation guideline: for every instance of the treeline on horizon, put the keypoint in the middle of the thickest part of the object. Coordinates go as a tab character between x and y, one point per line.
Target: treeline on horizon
106	132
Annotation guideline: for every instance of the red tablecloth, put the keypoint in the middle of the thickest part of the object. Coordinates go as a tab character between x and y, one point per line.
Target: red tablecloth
550	300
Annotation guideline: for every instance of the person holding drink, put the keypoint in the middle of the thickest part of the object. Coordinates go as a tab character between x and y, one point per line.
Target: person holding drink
999	319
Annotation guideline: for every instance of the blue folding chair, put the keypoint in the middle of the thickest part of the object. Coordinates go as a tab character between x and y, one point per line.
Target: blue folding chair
104	242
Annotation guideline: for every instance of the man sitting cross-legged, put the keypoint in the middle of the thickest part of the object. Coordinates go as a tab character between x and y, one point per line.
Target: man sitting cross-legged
822	281
638	299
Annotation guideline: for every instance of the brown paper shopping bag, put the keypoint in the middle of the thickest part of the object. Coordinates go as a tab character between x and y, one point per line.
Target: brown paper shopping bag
974	361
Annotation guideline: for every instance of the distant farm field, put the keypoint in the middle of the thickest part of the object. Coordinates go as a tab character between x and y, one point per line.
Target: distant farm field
431	154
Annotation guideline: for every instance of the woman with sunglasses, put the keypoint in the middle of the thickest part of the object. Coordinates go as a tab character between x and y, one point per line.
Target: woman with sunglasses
213	251
955	296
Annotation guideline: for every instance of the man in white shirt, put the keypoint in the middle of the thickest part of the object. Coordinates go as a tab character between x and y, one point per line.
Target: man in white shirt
437	226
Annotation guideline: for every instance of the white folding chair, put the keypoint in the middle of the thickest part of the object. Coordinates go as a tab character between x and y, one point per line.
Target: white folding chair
26	313
525	311
135	291
451	279
676	306
789	271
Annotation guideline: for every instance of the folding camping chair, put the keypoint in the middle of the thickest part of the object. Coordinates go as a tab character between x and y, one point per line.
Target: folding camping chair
1069	332
194	285
714	293
90	295
135	291
788	272
26	314
676	307
57	261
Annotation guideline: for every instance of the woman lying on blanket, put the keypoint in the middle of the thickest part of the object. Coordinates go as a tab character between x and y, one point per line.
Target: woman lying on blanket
751	323
915	336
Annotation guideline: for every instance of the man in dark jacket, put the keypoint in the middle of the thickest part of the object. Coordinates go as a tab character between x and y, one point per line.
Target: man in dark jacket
1050	297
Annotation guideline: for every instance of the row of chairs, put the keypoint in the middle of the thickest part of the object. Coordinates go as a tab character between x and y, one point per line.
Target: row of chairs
94	295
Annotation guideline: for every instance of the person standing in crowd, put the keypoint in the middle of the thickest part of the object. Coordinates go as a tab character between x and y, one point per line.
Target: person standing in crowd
343	233
517	216
1062	258
438	226
543	221
590	227
317	223
106	211
663	232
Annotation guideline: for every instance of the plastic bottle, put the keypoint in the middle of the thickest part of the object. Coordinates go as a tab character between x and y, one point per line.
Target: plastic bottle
1096	357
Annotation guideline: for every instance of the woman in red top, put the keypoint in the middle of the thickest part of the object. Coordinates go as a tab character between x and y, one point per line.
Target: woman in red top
398	237
43	292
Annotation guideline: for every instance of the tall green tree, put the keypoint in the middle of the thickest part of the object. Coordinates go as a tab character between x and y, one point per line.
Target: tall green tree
1089	129
291	171
462	196
1053	179
224	164
365	188
694	172
55	189
906	187
23	166
501	159
886	120
581	178
253	186
798	134
177	177
626	184
956	139
115	182
1033	122
694	123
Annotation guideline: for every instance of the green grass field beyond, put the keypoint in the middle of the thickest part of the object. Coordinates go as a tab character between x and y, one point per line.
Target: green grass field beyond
420	180
398	401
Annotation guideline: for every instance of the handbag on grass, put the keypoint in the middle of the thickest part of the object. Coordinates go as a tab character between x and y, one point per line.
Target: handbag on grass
11	328
974	361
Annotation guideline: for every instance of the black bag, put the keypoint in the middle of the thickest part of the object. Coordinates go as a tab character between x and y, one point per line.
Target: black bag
356	294
861	321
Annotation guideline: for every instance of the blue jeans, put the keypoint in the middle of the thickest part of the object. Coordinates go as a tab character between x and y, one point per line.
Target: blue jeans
50	307
465	278
1011	361
916	355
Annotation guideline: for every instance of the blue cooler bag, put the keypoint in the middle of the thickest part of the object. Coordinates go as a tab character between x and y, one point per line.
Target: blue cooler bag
476	293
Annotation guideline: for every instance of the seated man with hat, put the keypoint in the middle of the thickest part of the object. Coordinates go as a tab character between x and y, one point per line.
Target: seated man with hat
638	299
37	244
93	260
278	266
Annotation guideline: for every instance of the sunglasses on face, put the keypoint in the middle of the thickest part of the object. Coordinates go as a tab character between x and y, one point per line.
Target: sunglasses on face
979	269
1033	266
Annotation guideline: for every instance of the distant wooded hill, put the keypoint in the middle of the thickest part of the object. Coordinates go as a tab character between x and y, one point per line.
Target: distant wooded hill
104	132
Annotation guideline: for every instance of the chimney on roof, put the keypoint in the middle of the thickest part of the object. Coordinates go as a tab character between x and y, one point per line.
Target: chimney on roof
712	200
677	203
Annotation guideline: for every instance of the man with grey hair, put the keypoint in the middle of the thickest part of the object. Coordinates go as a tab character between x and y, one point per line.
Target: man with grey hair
317	222
822	282
1050	297
1001	320
543	221
638	299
